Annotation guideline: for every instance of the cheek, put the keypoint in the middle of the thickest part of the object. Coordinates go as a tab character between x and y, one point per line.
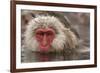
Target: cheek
50	38
39	38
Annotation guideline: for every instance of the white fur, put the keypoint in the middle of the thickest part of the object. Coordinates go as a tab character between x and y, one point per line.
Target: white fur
45	22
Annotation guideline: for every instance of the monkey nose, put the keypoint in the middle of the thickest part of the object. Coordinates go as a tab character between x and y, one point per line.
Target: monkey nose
44	42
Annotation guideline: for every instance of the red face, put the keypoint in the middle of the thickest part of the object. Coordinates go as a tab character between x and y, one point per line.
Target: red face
45	37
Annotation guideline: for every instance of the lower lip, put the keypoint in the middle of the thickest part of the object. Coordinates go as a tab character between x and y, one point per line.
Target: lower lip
42	48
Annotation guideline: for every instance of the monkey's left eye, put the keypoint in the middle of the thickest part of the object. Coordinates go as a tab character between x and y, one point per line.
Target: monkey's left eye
49	33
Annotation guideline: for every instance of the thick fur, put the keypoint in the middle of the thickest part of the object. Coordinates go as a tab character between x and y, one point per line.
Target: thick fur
65	38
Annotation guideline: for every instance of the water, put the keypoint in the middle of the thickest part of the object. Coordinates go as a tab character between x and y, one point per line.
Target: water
52	56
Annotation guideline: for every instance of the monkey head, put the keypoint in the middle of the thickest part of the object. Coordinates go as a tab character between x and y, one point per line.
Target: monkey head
47	33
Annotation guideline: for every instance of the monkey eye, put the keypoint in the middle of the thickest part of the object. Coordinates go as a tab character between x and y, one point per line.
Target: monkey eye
49	33
40	33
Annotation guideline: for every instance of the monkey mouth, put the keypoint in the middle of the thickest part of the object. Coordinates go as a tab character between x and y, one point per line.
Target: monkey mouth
44	48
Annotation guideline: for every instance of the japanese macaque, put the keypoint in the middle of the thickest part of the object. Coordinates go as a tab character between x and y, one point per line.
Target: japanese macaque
48	34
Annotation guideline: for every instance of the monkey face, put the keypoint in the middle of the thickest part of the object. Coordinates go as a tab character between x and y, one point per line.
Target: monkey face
47	33
44	37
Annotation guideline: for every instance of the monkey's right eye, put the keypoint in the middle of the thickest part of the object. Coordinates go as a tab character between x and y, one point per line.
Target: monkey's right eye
40	33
